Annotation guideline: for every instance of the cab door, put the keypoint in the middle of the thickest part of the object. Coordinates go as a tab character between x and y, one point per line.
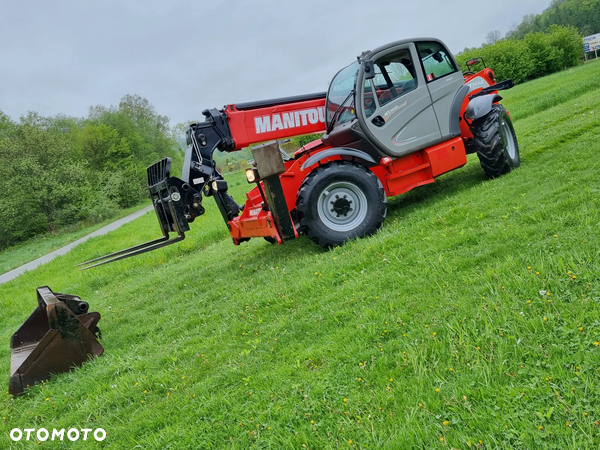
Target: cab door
443	79
394	105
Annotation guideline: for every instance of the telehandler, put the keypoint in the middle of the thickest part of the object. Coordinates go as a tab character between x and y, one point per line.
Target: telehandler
394	119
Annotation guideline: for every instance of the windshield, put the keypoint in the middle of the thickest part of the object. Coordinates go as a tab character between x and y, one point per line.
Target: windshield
339	90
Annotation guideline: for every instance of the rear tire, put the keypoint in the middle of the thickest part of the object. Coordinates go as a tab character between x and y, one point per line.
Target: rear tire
340	201
495	142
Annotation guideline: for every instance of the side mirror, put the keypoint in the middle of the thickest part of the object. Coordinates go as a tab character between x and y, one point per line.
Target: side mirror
369	69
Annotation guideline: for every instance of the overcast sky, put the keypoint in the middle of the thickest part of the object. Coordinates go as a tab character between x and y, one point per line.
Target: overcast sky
60	57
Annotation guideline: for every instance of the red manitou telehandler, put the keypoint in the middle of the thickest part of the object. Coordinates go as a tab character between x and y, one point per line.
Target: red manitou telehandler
394	119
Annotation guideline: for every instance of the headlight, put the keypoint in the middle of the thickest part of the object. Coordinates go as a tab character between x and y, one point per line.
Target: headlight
219	185
252	175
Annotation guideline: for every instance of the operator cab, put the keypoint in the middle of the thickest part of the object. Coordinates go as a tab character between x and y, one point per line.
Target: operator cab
396	99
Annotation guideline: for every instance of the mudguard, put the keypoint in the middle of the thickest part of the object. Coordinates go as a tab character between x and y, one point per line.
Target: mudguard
457	103
367	160
480	106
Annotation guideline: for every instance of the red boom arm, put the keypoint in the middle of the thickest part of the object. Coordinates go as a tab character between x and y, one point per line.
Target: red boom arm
250	125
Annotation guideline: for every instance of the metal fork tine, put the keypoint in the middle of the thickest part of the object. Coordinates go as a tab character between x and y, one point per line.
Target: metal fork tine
127	250
139	249
171	212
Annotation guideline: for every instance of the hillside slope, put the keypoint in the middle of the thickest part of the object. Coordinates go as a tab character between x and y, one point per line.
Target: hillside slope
469	321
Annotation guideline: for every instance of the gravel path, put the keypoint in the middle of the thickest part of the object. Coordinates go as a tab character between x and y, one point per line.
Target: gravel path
61	251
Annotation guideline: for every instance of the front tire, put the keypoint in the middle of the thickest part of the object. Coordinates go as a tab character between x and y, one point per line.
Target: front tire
340	201
496	143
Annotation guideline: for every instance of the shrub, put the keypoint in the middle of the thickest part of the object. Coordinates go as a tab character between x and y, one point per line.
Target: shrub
534	56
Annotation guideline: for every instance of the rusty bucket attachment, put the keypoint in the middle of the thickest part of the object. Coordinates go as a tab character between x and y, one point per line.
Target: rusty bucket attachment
57	336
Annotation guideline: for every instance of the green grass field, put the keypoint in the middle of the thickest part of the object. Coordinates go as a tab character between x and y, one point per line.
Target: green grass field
20	254
470	321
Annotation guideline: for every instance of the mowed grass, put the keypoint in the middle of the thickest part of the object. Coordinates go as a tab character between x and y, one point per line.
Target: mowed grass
471	320
34	248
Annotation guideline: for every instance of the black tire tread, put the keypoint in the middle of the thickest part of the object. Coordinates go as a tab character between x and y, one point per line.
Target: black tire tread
306	191
493	157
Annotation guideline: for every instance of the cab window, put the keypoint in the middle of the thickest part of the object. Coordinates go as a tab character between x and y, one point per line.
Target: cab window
340	95
394	76
436	60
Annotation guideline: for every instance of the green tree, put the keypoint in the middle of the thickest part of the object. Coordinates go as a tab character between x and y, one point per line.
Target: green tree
59	170
96	142
536	55
581	14
38	162
569	42
546	58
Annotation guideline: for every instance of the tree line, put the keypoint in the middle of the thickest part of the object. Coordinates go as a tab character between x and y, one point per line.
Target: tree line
535	55
542	43
58	171
584	15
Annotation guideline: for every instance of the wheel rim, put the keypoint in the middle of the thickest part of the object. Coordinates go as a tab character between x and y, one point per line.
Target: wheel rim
509	140
342	206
